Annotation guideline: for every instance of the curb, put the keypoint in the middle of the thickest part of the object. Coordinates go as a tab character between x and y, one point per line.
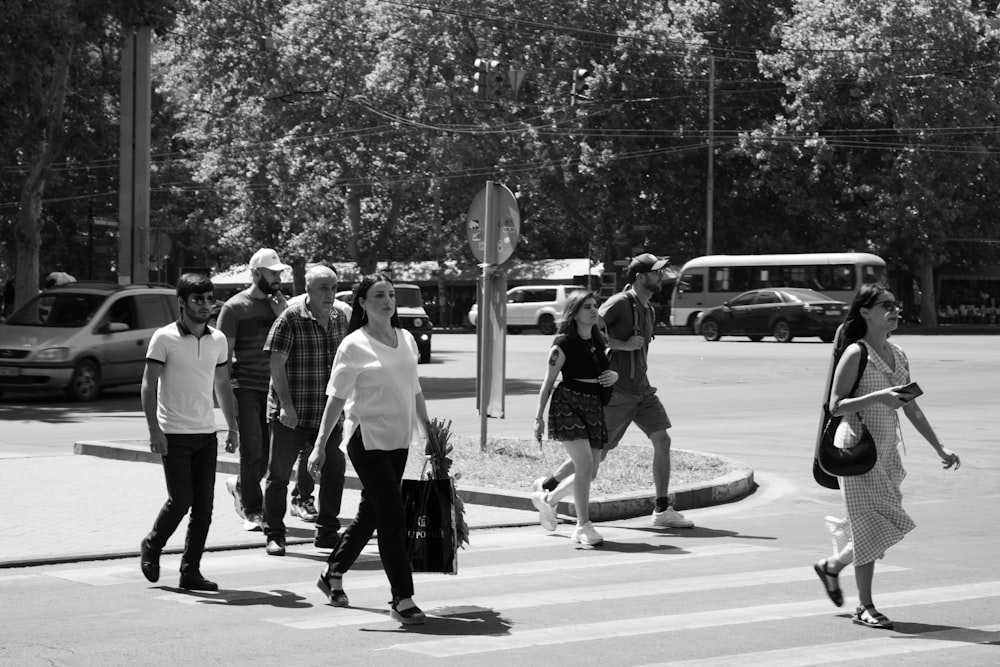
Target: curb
728	488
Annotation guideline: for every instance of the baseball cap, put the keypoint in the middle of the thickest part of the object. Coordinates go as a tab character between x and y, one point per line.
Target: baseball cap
644	263
266	258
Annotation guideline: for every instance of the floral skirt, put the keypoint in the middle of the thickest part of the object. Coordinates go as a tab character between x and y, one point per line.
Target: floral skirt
575	415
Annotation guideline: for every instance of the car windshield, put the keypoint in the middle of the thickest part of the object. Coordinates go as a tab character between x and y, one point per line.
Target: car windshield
408	298
806	295
57	309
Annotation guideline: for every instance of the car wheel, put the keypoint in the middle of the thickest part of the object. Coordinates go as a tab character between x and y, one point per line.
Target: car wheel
425	356
782	332
547	324
826	338
710	329
756	339
84	385
513	330
693	323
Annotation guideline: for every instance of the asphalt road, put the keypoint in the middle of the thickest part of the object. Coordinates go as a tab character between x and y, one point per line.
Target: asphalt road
739	588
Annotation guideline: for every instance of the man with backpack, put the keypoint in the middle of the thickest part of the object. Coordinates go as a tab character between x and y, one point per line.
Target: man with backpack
629	321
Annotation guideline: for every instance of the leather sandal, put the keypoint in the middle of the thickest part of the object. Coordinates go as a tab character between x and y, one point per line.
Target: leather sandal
409	616
871	617
336	596
831	582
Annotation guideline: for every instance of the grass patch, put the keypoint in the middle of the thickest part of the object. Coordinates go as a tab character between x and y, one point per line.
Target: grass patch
510	463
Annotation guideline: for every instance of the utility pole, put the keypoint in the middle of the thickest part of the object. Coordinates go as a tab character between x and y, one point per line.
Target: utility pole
133	159
710	188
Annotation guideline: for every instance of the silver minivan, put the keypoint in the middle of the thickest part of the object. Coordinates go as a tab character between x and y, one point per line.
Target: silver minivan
82	337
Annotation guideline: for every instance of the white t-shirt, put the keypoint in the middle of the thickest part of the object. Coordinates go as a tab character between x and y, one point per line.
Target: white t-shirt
380	385
185	395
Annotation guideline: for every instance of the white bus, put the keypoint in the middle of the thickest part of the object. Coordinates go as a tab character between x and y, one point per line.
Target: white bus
706	282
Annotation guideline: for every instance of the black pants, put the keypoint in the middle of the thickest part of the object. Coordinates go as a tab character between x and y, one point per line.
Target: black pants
189	469
381	507
287	445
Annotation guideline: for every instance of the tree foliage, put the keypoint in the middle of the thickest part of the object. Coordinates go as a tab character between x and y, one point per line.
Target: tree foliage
336	129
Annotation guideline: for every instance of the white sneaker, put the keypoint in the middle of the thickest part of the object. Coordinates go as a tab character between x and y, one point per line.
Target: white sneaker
838	533
546	512
253	523
670	518
587	535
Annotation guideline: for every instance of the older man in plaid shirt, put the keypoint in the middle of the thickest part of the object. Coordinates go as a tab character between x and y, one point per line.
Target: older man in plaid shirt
302	343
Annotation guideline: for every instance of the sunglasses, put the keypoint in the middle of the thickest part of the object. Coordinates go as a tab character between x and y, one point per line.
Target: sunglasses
889	305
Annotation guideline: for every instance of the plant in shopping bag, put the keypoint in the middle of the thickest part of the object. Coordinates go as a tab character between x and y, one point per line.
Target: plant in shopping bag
437	451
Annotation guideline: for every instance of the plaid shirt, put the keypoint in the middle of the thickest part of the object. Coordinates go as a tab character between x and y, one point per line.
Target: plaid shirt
310	351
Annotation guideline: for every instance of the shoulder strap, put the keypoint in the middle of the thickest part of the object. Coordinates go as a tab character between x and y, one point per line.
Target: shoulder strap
862	362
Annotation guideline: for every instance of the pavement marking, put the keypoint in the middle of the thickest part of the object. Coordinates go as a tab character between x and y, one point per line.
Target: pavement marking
110	575
471	604
127	572
357	580
968	640
661	625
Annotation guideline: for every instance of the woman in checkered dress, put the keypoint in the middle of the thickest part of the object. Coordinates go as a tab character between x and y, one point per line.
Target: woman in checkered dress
876	519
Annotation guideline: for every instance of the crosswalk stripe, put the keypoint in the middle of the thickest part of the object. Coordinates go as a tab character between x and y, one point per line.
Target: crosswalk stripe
362	580
110	575
864	650
583	594
631	627
358	580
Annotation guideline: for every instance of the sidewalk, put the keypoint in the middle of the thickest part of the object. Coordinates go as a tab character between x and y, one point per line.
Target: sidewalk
99	506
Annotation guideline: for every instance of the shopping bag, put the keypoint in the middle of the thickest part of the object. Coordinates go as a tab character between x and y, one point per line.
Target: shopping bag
431	538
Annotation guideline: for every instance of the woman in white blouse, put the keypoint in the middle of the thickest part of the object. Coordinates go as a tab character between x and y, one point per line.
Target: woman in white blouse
374	381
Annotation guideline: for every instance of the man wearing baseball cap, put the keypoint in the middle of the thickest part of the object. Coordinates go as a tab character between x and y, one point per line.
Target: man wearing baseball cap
245	319
629	323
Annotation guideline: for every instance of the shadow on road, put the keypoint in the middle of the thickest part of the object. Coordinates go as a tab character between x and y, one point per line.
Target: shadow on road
701	532
456	621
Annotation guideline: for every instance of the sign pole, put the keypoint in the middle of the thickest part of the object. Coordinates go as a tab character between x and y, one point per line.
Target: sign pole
486	314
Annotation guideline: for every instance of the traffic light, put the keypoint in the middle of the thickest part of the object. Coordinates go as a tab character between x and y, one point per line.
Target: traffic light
488	80
580	86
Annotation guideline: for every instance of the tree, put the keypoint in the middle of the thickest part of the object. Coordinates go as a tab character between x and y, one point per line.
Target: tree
58	53
886	142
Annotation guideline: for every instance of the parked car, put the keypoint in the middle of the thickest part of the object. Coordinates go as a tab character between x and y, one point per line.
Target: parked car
533	306
780	312
82	337
412	315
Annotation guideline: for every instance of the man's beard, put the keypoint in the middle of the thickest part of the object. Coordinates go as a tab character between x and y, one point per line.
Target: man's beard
266	287
654	286
195	316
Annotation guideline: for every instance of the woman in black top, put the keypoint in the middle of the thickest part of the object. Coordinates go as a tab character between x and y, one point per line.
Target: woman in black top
576	416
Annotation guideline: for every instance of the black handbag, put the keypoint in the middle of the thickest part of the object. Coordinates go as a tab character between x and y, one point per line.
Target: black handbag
831	461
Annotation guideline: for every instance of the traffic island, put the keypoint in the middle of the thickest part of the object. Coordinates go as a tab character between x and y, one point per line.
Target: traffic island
735	484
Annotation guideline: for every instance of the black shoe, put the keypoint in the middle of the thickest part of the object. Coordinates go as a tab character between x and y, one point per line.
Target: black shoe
305	510
336	596
326	540
193	581
275	545
149	561
409	616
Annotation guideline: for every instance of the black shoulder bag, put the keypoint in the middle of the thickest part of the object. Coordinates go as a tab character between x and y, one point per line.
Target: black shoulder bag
831	461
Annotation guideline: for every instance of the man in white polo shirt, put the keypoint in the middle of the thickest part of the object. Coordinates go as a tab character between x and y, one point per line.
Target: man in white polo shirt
185	361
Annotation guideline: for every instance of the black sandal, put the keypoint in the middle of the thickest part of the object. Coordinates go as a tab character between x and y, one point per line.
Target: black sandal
409	616
336	596
831	582
871	617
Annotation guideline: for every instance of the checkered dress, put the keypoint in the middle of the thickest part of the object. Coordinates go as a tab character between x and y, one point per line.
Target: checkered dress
874	500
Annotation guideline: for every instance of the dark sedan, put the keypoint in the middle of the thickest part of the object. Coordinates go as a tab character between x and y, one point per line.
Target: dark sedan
784	313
